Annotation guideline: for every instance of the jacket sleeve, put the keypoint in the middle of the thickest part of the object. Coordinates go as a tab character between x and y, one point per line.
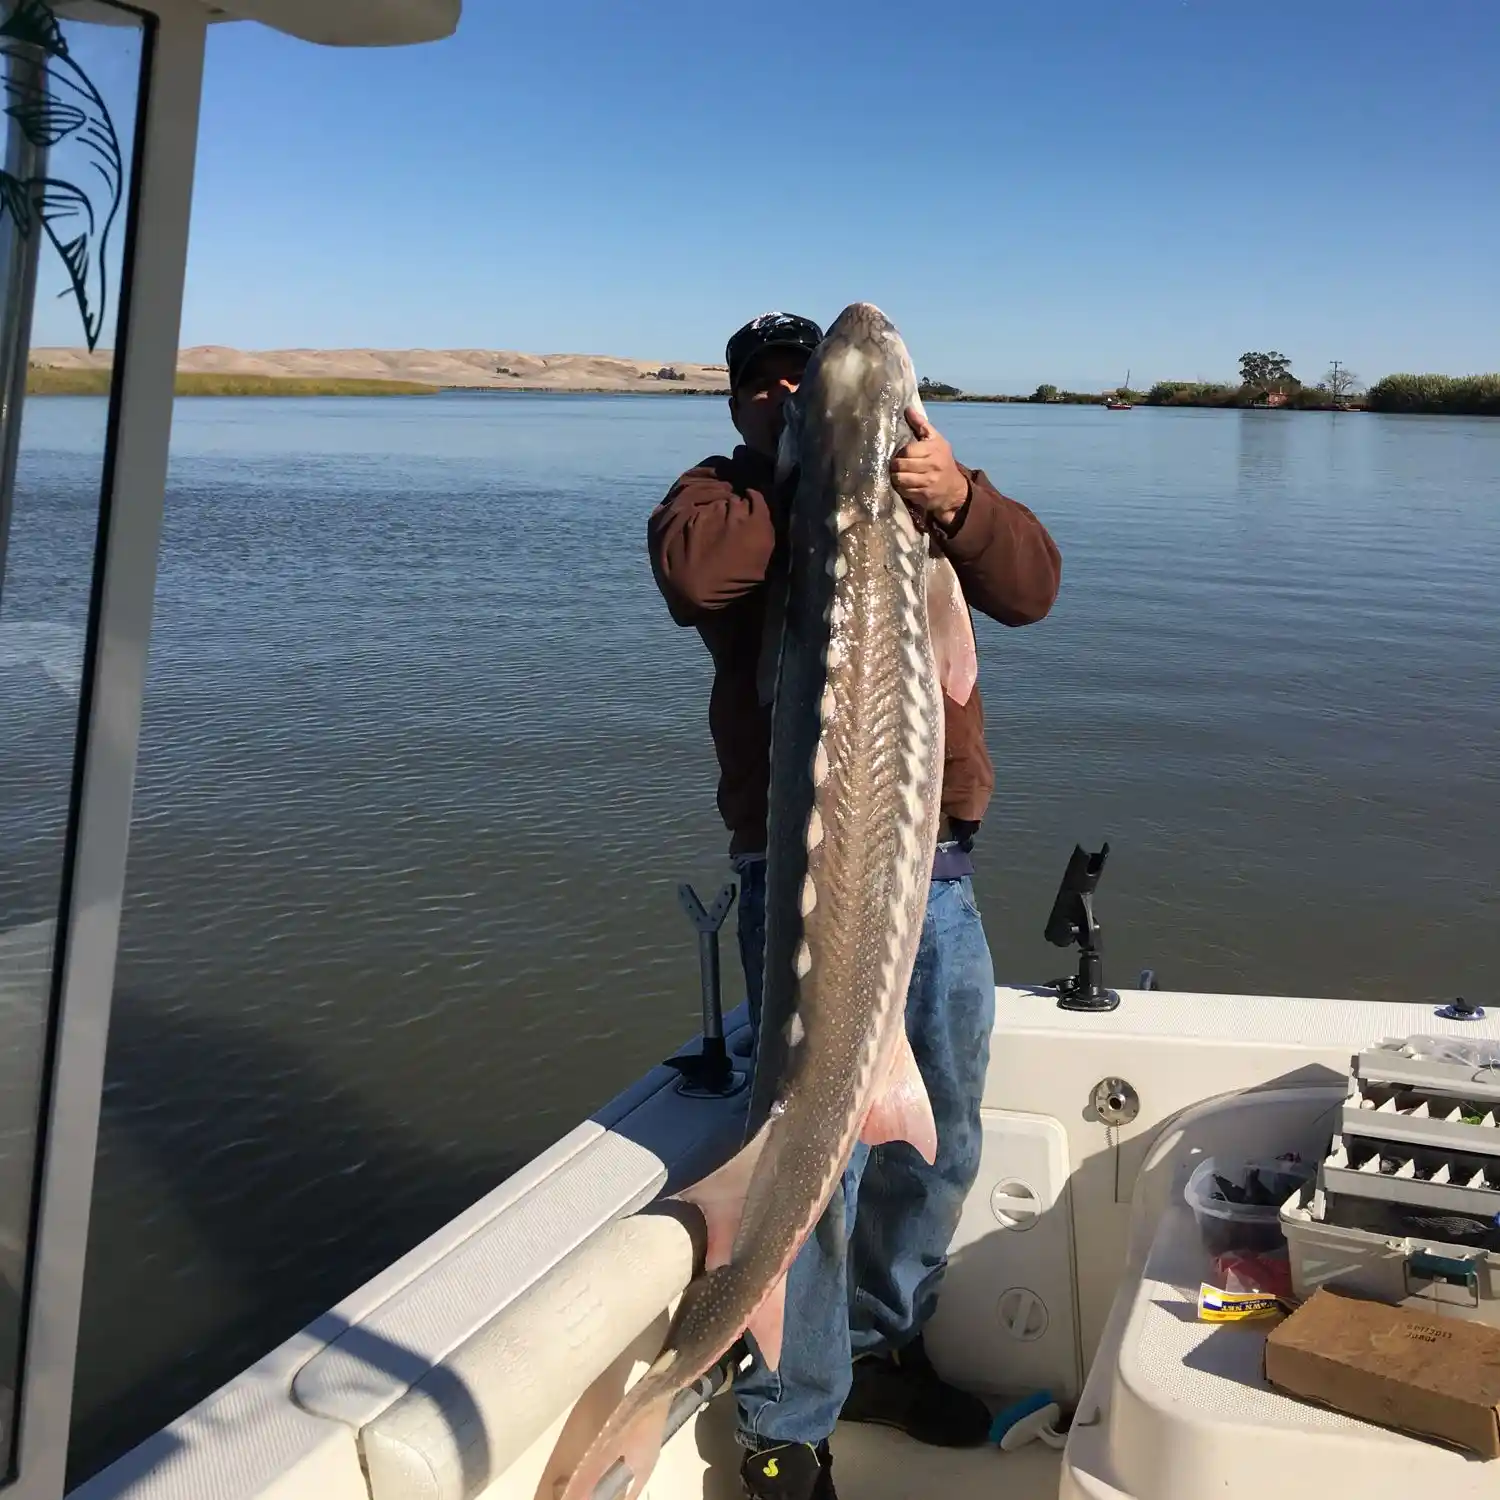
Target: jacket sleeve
1005	559
709	542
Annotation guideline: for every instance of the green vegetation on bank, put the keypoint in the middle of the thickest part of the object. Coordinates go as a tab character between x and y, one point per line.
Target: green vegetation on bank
936	390
1266	379
1049	395
43	380
1461	396
1427	395
1196	393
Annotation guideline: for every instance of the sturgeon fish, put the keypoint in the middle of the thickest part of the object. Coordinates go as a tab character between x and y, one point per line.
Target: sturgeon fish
870	630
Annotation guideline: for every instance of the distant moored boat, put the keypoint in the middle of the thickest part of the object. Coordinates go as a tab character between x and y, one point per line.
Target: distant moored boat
1119	400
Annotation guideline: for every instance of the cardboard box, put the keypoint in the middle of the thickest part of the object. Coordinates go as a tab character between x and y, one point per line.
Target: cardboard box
1433	1377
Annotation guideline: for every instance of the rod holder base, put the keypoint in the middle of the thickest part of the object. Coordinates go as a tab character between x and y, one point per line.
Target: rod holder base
1071	997
708	1073
691	1086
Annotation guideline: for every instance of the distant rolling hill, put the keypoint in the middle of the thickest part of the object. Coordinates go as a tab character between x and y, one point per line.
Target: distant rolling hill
497	369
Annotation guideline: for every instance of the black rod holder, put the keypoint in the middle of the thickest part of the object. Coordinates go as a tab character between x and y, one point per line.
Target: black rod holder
708	1073
1073	921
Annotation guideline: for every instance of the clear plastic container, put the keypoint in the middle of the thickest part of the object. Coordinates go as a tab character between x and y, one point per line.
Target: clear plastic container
1225	1224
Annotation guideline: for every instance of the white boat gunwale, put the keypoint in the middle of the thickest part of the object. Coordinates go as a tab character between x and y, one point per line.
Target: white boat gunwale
1202	1067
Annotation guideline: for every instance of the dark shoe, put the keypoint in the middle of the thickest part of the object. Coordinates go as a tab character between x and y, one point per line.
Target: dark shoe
789	1471
902	1390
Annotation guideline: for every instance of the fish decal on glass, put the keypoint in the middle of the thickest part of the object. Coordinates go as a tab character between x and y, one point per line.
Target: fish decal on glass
64	168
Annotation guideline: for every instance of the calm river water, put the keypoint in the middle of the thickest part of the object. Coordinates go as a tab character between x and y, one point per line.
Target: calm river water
424	760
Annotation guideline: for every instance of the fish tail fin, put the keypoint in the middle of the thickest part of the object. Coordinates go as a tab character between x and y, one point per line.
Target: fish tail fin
952	631
902	1111
633	1436
720	1198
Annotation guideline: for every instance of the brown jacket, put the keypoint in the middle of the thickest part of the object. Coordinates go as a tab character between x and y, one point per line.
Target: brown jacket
711	541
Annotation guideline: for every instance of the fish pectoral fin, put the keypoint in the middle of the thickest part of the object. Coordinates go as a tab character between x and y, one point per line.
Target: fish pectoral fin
768	663
902	1111
720	1198
766	1326
952	631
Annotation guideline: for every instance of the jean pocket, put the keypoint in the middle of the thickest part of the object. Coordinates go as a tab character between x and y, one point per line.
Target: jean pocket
966	895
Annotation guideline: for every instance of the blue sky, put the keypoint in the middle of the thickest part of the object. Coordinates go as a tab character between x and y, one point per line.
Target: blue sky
1034	192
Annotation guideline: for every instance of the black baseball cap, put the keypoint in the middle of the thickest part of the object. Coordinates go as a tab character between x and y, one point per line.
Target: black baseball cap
772	330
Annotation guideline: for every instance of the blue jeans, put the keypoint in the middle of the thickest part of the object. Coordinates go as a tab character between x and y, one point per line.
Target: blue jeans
867	1277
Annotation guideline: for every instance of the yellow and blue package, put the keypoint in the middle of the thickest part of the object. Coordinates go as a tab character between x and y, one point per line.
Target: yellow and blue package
1216	1306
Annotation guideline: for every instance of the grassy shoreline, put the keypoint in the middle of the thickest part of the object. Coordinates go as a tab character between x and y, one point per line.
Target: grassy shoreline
44	380
1437	395
587	390
1414	395
1407	395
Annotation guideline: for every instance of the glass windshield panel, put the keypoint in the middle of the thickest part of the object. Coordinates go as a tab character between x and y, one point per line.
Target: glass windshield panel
72	78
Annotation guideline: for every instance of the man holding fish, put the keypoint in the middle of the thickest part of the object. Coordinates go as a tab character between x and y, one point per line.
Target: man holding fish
832	591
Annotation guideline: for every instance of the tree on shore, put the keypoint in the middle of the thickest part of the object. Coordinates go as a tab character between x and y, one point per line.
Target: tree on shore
1266	373
1342	383
1045	393
936	389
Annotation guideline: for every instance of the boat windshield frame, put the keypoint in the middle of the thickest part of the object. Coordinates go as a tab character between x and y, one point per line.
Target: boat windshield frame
154	220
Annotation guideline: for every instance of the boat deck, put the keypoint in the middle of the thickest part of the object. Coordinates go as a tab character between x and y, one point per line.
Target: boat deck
876	1463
